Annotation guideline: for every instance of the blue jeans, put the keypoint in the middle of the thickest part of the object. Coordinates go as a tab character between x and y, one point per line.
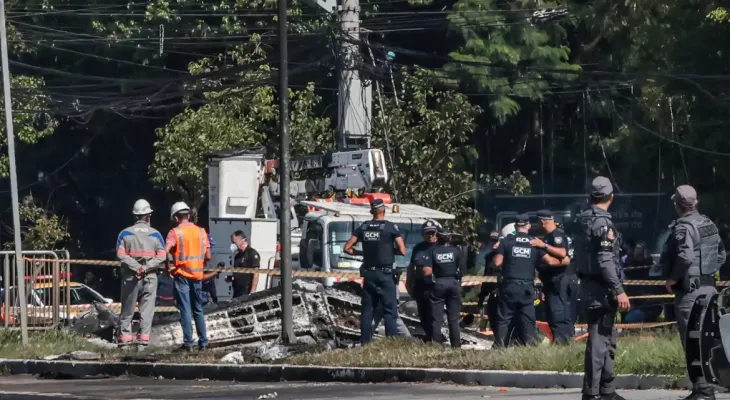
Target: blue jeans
189	297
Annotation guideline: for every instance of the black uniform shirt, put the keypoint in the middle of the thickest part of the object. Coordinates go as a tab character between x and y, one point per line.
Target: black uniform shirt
556	238
520	258
447	261
378	239
248	258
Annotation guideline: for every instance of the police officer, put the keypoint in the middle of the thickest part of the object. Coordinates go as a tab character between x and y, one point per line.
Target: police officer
488	287
416	283
694	254
601	292
380	240
518	260
444	271
559	283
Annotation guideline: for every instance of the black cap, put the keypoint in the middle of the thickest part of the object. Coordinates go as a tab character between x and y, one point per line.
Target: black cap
430	226
522	219
494	235
545	214
377	204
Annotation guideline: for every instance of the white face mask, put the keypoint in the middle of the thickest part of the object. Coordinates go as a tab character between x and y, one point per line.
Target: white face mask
234	248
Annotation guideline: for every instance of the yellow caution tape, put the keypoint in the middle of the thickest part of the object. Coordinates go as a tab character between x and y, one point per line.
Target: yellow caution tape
470	280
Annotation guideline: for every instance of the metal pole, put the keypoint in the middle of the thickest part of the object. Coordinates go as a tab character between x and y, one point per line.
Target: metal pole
287	324
19	263
354	102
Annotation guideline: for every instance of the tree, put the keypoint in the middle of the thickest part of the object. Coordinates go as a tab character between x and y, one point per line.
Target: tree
427	138
236	115
40	229
31	119
504	54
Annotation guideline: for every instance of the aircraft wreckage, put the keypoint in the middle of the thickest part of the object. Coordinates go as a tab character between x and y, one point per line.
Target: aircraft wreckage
319	313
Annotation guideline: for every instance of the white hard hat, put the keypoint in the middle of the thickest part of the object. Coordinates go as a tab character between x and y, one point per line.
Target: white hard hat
508	229
141	207
177	207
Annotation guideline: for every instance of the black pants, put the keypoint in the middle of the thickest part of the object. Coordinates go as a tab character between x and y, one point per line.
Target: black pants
560	296
378	290
517	301
421	293
446	291
600	352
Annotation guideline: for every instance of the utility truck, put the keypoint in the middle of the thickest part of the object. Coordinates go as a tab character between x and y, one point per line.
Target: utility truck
328	205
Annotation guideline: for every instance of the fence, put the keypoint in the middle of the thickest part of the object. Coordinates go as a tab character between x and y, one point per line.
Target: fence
46	279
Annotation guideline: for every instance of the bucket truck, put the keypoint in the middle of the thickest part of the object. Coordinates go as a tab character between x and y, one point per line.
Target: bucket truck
244	193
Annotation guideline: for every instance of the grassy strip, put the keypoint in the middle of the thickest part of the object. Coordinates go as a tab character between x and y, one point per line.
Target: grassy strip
659	354
652	353
48	343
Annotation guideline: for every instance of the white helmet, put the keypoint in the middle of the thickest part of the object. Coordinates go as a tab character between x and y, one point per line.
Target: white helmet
141	207
508	229
177	207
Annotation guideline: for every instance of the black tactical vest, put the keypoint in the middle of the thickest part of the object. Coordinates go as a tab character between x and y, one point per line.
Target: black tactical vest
377	244
520	258
445	261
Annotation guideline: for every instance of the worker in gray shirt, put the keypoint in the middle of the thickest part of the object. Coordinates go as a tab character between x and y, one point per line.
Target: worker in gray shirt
694	253
601	292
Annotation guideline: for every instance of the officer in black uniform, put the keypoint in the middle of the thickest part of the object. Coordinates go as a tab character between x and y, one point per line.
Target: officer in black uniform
417	286
518	260
601	292
487	301
380	240
694	253
444	271
559	283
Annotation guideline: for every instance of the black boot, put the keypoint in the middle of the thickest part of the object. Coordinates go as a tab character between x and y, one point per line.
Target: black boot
704	395
591	397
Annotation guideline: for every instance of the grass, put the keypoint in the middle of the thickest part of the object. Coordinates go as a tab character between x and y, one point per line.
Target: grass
52	342
661	353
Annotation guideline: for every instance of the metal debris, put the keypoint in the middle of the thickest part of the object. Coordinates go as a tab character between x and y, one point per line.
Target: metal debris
321	316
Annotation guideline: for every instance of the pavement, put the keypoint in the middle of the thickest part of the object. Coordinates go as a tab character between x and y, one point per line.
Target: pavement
21	387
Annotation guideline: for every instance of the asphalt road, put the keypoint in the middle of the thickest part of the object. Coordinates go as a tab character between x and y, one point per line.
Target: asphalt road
27	387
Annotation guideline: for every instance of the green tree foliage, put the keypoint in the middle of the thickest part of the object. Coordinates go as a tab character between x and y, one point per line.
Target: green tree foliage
40	229
32	119
428	138
234	116
503	54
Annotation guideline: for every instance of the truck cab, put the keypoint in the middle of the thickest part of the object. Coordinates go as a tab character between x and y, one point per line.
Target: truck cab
328	226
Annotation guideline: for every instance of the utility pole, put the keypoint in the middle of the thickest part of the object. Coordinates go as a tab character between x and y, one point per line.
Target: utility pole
19	262
287	322
355	99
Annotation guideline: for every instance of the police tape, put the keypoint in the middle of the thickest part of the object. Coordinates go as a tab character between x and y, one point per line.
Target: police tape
469	280
643	325
641	297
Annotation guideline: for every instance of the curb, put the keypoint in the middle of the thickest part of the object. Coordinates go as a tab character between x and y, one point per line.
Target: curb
278	373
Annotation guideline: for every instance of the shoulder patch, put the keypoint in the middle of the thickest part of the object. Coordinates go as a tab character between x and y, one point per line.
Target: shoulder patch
558	239
610	234
680	235
395	226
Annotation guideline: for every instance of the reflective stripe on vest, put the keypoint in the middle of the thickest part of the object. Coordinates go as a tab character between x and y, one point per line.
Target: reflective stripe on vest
189	258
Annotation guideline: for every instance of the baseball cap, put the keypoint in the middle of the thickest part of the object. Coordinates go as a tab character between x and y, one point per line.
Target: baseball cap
685	195
601	186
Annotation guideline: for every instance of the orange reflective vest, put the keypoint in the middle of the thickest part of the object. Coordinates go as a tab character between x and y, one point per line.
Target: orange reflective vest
190	251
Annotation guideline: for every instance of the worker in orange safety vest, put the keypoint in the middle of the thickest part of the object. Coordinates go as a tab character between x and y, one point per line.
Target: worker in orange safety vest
188	246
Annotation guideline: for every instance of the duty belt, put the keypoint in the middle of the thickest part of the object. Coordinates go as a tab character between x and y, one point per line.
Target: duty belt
385	269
